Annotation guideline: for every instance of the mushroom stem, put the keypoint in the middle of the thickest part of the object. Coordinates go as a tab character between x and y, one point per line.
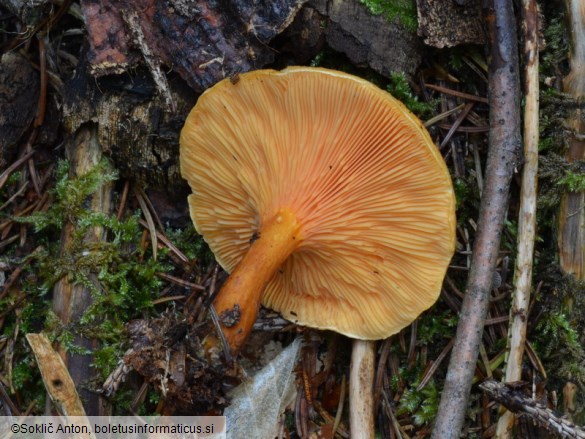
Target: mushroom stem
238	302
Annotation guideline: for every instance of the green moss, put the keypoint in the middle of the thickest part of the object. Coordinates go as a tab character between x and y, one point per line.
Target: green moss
572	181
422	404
121	278
403	11
401	90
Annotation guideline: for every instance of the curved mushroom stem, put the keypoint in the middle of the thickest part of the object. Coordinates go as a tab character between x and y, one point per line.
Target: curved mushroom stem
238	302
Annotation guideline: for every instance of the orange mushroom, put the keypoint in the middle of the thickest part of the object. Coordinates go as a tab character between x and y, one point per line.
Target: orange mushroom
323	196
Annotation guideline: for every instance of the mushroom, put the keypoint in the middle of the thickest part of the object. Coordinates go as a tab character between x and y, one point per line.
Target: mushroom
323	197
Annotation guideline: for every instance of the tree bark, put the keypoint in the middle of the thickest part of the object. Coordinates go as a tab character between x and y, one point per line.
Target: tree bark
504	149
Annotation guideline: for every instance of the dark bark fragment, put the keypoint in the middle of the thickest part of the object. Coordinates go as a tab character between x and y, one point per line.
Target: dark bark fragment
368	39
304	38
29	12
203	41
503	157
516	401
141	138
19	93
447	23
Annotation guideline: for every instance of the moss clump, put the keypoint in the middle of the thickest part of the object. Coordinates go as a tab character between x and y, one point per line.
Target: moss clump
401	90
403	11
120	275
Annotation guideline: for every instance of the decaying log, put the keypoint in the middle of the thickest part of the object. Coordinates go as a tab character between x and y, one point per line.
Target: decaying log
503	157
70	301
450	23
520	404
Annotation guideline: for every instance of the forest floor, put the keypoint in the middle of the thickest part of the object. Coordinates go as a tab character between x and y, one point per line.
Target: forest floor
148	278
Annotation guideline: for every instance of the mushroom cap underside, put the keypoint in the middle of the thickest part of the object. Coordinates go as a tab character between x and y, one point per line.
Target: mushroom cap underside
368	186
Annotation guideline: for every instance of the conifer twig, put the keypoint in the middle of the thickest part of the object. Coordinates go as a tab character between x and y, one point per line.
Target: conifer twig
527	217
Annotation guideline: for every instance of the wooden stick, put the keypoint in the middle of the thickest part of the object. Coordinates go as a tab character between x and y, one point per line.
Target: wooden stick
515	401
572	209
361	389
527	217
58	382
504	149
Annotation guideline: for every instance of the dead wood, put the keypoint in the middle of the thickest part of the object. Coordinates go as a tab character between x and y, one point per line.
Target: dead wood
204	42
571	239
503	157
527	216
71	300
19	93
450	23
369	39
517	402
58	382
132	127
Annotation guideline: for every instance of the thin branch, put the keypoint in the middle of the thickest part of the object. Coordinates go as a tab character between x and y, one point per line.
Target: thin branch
505	143
515	401
527	217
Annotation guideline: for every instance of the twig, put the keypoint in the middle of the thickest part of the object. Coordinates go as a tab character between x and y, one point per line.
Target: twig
527	216
516	402
339	406
149	222
456	93
13	167
181	282
456	124
431	370
433	120
502	159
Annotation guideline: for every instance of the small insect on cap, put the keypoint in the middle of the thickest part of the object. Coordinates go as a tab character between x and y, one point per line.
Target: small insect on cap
350	204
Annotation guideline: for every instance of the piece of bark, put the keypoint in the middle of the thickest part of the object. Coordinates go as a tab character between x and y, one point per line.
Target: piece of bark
141	138
29	12
503	157
19	93
58	382
448	23
367	39
304	38
204	41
